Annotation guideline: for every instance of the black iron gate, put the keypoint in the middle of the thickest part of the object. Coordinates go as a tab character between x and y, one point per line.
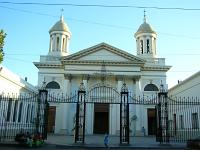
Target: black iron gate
105	95
124	116
80	116
162	118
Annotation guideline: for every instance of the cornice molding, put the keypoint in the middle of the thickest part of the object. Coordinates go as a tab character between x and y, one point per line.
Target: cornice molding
156	68
48	65
99	62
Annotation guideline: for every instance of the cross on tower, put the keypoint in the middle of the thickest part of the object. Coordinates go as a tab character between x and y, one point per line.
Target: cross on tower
61	17
144	15
62	10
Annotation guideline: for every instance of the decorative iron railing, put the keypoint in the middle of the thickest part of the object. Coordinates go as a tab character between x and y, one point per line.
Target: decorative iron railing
22	114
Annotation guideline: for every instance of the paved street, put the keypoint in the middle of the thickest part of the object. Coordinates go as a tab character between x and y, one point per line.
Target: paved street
53	147
95	142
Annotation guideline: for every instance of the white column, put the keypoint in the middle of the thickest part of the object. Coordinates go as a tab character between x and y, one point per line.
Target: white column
137	88
144	45
85	84
132	110
54	42
151	45
60	43
64	44
154	43
50	44
67	44
138	108
119	87
65	106
89	110
138	46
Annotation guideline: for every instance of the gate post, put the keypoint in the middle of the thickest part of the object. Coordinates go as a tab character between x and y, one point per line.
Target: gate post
42	113
163	128
124	116
80	115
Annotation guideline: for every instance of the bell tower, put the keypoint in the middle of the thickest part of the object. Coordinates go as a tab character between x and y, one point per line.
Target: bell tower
59	38
146	40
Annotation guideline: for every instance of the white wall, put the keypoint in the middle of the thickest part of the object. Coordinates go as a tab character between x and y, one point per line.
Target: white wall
12	83
187	88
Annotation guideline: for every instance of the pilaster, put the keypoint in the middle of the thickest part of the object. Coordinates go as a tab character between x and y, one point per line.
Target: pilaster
117	110
139	107
89	108
65	106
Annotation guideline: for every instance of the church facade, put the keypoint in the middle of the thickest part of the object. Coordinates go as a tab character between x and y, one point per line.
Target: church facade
102	64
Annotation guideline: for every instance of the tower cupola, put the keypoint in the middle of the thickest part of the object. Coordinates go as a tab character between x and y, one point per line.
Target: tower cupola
146	40
59	38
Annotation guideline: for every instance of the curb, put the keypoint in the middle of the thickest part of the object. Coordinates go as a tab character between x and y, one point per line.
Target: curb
10	144
88	146
119	147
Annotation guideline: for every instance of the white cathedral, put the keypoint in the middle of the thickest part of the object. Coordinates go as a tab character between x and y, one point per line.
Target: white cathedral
63	72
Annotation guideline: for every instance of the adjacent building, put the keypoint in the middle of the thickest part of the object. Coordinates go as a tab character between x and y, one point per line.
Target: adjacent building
184	115
187	88
13	84
18	104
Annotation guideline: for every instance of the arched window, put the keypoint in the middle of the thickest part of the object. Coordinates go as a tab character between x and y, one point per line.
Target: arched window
141	46
57	43
53	85
63	45
151	87
148	47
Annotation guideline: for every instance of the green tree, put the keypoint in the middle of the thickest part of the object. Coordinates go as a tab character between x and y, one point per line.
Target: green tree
2	37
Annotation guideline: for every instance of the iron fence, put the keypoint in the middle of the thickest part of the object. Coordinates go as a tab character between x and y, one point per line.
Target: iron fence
177	118
22	114
183	118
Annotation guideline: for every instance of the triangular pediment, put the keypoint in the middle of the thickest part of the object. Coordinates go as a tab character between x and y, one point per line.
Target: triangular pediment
103	52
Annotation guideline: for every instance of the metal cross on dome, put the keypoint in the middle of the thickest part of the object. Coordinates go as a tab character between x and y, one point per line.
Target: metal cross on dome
62	10
144	15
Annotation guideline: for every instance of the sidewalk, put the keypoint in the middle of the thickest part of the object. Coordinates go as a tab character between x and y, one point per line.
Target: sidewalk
94	141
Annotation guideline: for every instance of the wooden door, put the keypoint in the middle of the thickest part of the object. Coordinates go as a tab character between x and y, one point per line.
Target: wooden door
101	118
151	121
51	119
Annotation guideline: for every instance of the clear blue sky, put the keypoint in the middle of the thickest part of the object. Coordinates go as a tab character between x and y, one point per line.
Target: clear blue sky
27	29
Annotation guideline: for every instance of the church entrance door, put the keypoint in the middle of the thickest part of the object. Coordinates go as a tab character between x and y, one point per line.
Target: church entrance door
151	121
51	119
101	118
